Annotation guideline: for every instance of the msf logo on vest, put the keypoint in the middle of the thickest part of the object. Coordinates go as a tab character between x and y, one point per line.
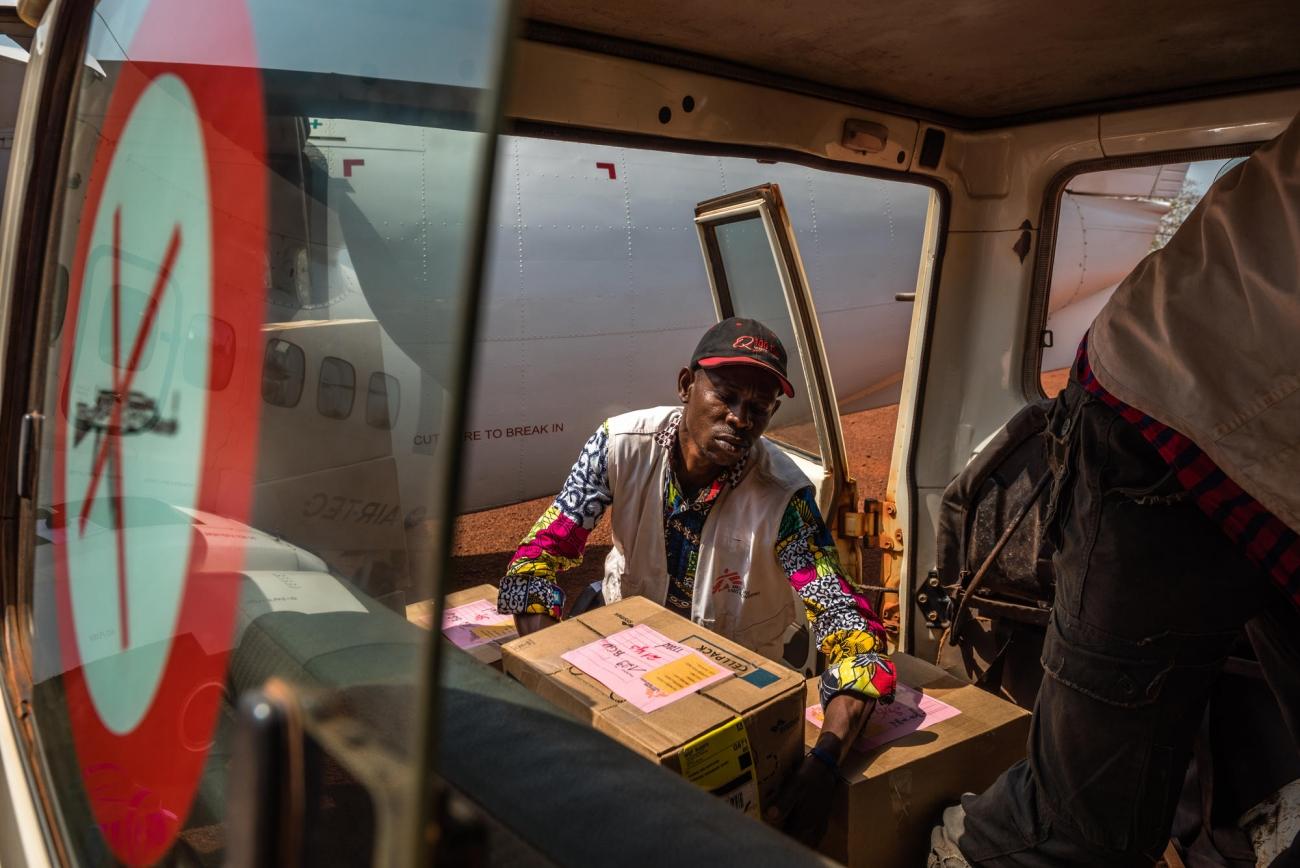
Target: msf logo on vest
730	582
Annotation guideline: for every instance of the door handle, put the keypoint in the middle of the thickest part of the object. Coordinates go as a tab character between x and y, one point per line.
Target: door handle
265	802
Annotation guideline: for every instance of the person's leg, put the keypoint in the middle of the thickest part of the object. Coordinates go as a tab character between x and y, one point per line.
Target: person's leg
1275	635
1149	594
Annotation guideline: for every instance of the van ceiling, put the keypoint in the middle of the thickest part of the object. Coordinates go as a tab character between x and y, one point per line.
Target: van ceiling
970	62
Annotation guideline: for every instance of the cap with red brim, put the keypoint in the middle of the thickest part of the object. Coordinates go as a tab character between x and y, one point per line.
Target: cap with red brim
723	361
743	341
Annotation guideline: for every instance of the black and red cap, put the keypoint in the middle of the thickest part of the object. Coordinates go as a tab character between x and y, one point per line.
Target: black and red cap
740	341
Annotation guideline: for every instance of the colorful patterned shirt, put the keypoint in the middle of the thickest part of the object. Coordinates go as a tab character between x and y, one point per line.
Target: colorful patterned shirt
1264	538
684	522
842	622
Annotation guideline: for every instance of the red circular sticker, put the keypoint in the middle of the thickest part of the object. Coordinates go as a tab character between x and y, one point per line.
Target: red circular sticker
155	434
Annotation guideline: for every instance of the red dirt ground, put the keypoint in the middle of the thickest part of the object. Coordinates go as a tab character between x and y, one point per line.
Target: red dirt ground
1054	381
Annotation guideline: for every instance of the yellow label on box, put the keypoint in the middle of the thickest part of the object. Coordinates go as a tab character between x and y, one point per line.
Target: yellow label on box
721	762
680	674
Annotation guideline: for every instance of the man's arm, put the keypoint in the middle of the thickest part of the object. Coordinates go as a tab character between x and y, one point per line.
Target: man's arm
858	673
557	540
845	628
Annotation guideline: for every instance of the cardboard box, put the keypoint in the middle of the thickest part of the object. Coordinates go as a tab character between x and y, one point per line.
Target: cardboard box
890	797
738	737
485	648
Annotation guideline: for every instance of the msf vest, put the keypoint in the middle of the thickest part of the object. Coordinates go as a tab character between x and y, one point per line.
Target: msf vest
741	591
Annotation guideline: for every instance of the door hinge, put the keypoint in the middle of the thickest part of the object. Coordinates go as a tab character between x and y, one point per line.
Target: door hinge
869	525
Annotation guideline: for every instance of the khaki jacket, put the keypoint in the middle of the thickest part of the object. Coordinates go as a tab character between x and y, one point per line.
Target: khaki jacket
1204	335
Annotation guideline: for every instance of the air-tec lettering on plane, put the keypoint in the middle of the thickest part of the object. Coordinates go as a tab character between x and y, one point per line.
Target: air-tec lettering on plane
348	509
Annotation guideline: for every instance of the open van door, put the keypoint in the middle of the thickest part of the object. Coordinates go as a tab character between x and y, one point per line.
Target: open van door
755	271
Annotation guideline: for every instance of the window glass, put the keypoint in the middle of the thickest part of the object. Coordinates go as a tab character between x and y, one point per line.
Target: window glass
383	400
336	389
210	346
283	369
266	192
597	294
1109	221
754	289
131	308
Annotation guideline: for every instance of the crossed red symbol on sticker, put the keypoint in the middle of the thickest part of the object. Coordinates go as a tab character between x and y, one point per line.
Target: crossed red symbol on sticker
110	448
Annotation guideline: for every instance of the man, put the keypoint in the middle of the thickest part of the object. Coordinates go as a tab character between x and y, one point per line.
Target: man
1176	455
694	492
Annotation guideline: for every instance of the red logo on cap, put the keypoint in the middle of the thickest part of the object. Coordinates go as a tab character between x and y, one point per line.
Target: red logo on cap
749	342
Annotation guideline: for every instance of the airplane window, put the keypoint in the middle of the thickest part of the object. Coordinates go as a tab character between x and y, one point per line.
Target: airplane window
131	307
1108	222
336	389
283	370
258	210
383	399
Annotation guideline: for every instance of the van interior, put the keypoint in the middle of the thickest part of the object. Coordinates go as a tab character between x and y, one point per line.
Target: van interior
1010	117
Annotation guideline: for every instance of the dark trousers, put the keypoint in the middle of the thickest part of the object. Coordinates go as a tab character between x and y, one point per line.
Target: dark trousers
1150	595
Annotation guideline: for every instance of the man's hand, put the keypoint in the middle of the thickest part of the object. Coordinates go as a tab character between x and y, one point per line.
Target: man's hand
803	808
525	624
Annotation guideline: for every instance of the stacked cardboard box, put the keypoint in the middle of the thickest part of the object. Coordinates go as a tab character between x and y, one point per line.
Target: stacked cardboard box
891	796
738	737
480	632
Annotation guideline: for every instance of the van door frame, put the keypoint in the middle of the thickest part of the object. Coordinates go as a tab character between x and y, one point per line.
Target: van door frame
32	206
929	275
1050	222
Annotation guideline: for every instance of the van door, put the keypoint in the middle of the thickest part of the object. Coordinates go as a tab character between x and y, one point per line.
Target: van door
755	270
207	542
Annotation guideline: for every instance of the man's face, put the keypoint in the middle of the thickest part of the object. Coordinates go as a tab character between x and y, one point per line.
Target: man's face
727	410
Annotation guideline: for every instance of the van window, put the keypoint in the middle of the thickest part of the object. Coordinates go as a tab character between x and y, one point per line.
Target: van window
1108	222
255	205
753	286
597	293
336	389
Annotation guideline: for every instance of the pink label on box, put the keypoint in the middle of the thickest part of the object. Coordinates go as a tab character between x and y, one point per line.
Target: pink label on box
645	667
910	711
477	623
